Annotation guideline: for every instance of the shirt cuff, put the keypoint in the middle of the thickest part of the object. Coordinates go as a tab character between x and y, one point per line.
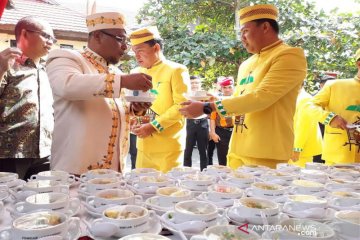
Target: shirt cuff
329	118
157	126
220	108
298	149
117	85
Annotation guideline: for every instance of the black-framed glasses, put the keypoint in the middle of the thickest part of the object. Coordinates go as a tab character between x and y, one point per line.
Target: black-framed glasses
119	39
44	35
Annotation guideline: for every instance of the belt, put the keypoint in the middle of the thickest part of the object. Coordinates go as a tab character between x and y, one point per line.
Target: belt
197	121
230	129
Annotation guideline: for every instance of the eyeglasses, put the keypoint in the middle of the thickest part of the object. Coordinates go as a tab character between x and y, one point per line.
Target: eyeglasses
44	35
119	39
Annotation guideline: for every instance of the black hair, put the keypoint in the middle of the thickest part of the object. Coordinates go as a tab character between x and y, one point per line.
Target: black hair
194	77
29	22
274	24
152	42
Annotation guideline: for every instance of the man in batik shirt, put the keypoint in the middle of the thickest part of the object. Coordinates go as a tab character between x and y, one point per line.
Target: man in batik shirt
26	114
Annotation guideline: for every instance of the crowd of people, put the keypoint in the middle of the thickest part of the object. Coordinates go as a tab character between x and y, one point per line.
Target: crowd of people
70	110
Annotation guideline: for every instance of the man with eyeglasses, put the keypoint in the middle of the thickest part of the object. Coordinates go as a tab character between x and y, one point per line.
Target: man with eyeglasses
91	116
161	141
26	113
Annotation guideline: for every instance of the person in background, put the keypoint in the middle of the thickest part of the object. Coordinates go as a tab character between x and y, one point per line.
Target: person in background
216	92
160	142
221	127
133	150
308	139
336	105
197	132
26	113
264	101
91	115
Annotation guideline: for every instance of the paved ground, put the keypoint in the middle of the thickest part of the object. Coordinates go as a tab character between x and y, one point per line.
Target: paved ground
195	159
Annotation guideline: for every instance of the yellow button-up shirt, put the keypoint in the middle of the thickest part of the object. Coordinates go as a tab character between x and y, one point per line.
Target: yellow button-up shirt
268	84
339	97
170	80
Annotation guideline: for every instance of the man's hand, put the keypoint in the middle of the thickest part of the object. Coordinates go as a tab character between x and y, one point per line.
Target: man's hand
295	156
214	137
136	81
338	122
191	109
139	108
7	57
143	130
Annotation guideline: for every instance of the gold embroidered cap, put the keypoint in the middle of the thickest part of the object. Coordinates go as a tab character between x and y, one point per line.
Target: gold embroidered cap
260	11
357	55
144	34
105	20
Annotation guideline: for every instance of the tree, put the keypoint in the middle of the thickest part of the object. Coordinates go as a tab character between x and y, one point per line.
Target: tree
201	34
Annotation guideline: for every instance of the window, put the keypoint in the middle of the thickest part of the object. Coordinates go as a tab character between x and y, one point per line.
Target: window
12	43
66	46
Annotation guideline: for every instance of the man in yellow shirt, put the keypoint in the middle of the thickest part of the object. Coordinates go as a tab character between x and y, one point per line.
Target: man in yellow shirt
336	105
161	142
264	100
308	139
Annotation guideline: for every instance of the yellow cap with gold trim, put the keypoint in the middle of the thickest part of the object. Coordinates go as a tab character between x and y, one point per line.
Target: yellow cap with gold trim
357	55
144	34
105	20
260	11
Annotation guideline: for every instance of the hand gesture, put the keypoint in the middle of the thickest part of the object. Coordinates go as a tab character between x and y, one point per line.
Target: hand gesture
191	109
338	122
214	137
136	81
139	108
7	57
295	156
143	130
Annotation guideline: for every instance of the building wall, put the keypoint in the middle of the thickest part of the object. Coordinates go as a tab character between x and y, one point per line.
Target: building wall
6	38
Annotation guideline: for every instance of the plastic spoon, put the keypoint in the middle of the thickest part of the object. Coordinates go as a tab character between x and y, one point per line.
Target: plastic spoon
101	229
189	227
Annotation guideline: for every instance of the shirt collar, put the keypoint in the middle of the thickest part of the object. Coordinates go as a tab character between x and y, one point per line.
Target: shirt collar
96	57
271	45
26	61
157	63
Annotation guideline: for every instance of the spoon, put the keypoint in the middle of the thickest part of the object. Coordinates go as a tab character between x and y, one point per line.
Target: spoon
189	227
101	229
264	218
97	209
145	190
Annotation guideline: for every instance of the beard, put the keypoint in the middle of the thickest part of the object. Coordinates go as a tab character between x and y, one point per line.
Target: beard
114	60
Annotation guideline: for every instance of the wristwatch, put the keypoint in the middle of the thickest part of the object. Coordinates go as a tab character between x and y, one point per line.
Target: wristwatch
206	108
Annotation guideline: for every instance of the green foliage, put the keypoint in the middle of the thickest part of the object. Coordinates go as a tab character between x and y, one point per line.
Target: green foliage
200	34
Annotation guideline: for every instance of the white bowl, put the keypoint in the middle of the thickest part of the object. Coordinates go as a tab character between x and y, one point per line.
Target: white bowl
251	208
221	232
195	210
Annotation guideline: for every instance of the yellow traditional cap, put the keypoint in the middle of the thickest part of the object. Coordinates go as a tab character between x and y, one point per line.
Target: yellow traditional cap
105	20
357	55
144	34
260	11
